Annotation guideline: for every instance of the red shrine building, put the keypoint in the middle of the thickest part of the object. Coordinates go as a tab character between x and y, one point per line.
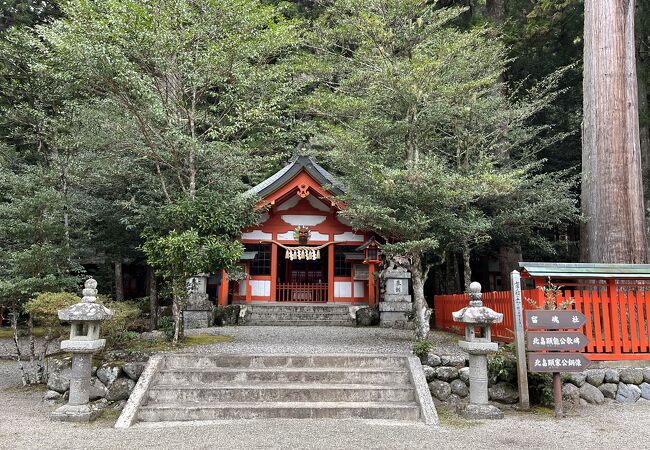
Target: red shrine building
303	251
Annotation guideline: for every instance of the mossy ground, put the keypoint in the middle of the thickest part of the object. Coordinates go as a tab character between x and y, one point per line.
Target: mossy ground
8	333
161	344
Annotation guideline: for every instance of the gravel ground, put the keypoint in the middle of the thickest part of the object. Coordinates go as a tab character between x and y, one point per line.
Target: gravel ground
25	424
24	418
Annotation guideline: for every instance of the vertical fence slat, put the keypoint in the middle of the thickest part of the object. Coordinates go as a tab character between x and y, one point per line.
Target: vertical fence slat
607	329
615	322
643	320
624	321
598	324
633	320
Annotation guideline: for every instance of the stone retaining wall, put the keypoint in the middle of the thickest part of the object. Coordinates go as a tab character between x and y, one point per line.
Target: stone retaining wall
448	380
625	385
110	385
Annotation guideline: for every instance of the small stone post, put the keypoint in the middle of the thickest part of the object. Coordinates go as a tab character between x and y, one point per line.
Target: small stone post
396	303
473	316
198	310
85	318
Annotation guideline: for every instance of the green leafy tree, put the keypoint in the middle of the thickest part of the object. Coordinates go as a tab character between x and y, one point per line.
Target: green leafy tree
427	144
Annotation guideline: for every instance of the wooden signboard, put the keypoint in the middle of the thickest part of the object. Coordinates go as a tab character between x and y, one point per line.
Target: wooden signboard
557	362
557	340
556	346
554	319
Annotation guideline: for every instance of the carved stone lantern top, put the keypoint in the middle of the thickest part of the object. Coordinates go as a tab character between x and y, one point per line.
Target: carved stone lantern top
476	313
86	310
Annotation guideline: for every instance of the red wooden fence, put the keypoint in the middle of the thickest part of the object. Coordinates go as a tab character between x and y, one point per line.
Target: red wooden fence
302	292
618	329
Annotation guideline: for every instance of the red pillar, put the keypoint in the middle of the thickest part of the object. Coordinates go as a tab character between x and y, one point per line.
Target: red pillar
223	289
248	283
330	273
274	271
371	284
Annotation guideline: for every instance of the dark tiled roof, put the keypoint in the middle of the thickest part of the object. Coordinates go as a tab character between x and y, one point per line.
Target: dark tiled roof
288	172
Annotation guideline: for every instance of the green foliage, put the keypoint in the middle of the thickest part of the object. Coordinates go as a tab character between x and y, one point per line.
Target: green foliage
44	311
502	366
421	348
166	325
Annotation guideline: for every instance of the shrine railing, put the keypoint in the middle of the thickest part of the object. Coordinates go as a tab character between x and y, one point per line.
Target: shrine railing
618	328
302	292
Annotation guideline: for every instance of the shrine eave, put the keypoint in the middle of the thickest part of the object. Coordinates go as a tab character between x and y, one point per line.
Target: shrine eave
291	170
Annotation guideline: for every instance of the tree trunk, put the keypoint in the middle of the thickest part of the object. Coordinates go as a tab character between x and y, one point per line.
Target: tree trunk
644	137
153	297
422	310
176	312
509	258
467	268
119	281
495	9
14	327
612	191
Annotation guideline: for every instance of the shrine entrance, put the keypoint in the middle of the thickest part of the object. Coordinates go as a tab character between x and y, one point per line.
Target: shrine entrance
302	280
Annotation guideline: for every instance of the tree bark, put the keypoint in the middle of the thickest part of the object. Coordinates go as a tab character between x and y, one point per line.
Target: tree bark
644	133
509	258
495	9
119	281
422	310
153	297
467	268
612	191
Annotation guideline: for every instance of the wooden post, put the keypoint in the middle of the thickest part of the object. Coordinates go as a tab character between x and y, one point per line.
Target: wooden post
352	273
274	271
247	286
557	395
371	284
520	341
330	273
223	289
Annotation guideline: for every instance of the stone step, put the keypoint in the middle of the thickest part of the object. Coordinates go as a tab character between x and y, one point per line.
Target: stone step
194	361
276	392
301	323
280	410
298	316
299	307
332	375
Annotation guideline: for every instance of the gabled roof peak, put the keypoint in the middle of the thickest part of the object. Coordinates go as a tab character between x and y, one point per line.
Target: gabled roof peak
297	164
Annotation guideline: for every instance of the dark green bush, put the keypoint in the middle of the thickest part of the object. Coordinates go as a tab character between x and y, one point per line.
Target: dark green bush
166	325
421	348
502	366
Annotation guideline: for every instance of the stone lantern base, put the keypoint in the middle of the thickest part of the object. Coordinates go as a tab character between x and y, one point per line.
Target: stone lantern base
78	413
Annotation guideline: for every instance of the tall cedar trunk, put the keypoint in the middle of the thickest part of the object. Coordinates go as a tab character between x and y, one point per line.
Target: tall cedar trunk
612	191
467	268
422	310
644	138
509	258
153	297
119	281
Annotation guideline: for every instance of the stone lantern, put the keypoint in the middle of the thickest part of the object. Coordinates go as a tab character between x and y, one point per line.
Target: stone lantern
478	316
85	318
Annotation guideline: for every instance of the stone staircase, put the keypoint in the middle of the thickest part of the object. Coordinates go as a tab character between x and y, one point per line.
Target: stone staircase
296	314
189	387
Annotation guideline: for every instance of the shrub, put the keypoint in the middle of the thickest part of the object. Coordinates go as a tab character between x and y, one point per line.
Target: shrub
44	311
166	325
421	348
502	366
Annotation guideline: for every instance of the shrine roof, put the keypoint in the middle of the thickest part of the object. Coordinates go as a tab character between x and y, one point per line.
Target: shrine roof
586	270
295	166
